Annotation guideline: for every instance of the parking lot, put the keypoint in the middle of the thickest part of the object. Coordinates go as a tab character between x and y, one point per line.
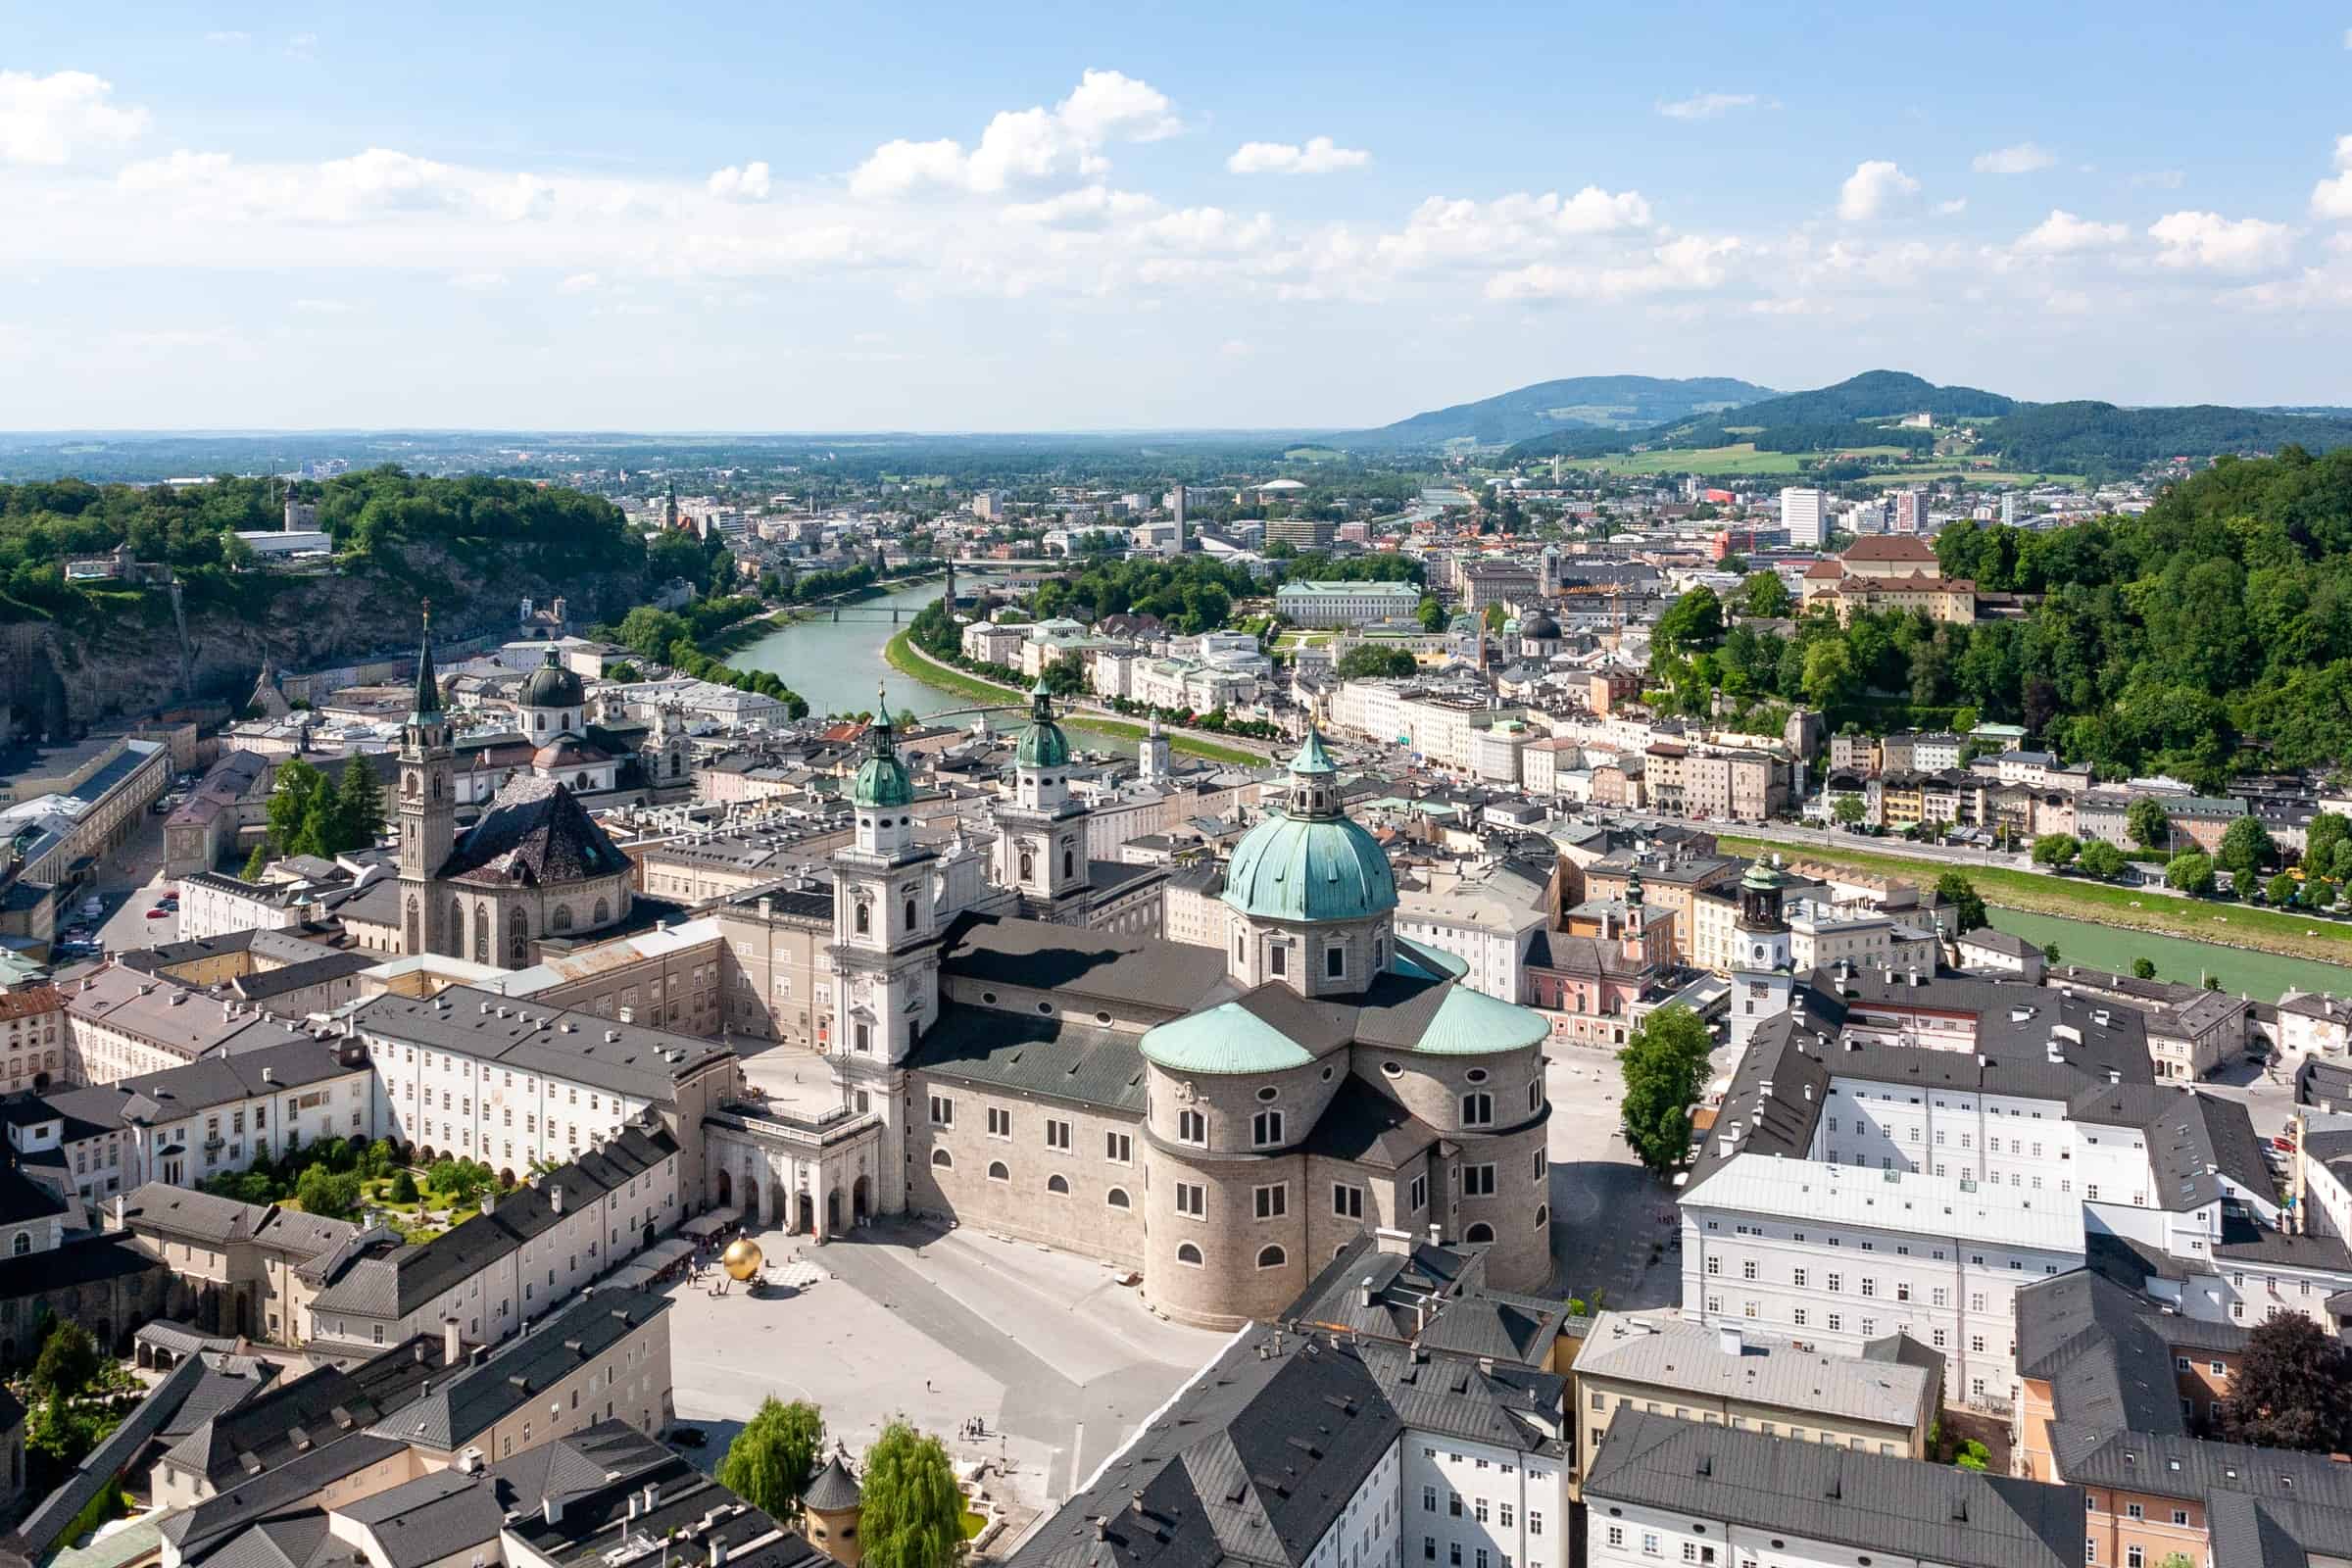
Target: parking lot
1057	1361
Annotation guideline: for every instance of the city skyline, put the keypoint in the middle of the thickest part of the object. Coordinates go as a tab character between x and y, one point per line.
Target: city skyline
943	222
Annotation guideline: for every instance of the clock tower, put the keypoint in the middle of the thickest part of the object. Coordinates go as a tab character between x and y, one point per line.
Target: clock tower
428	808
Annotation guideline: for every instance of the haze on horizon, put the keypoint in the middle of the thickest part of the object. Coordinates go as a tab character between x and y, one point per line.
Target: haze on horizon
953	221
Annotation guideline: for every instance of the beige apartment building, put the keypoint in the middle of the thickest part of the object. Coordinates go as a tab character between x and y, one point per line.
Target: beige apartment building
241	1266
1883	1402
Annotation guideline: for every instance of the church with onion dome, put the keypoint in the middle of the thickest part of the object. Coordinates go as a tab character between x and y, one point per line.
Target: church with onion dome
1220	1120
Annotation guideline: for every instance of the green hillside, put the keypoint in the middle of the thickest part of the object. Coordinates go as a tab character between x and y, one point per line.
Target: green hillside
1577	403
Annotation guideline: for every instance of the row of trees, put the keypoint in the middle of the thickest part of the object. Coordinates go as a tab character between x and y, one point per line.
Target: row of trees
669	637
911	1507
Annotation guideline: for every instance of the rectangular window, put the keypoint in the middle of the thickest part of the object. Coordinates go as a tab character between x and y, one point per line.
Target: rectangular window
1271	1201
1418	1191
1057	1135
1334	963
1278	960
1192	1198
1347	1201
999	1122
1478	1181
943	1112
1118	1148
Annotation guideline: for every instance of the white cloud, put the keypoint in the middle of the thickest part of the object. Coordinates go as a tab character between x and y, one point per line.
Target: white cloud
478	282
2332	198
1706	105
745	182
1518	225
1871	187
1026	144
1319	157
2210	242
2022	158
51	120
1695	262
1089	204
1953	208
2063	233
341	190
229	36
580	284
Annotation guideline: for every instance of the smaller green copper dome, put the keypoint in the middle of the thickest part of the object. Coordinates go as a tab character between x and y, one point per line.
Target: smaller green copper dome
881	779
1041	743
552	686
1307	862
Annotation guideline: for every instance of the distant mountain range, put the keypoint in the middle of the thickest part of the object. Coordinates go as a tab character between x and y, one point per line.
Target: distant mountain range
1579	403
2076	437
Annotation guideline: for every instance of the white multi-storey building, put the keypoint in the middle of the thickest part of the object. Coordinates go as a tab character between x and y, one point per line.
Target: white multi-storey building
1800	515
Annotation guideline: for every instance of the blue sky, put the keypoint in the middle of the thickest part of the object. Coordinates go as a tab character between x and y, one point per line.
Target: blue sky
1014	217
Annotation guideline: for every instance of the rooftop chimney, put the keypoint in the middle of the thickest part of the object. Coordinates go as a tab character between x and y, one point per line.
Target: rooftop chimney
453	1343
1728	1340
1364	1288
488	1202
551	1509
554	1197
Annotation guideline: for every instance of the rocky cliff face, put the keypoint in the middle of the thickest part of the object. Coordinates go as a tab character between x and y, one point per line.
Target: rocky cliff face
131	666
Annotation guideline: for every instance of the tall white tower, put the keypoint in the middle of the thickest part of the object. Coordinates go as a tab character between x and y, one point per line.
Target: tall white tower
1040	839
1763	973
1152	755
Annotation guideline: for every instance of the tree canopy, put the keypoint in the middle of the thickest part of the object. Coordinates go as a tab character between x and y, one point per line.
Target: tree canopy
912	1510
1664	1066
1968	910
772	1460
2293	1389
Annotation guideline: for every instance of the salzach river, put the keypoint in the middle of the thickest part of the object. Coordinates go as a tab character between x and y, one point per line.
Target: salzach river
836	665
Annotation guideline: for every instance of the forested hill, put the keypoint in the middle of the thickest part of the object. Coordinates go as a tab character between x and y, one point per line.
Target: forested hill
1577	403
374	518
2099	439
2210	636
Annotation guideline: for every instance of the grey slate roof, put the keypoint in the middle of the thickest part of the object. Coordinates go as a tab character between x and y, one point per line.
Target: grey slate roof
642	1063
456	1411
179	1093
536	834
1880	1503
594	1474
293	1420
833	1489
1665	1350
45	1525
1137	976
433	1517
1037	1055
220	1222
387	1285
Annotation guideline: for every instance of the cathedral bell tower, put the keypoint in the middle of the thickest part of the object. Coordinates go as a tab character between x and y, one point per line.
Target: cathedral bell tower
1041	842
428	808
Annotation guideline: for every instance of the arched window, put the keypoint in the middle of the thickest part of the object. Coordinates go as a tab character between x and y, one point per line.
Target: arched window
604	911
483	927
909	915
415	942
518	939
563	918
455	934
1028	865
1189	1254
579	781
997	1171
538	721
1058	1186
1270	1257
864	919
1542	1216
23	1244
1069	863
1116	1197
1481	1232
943	1159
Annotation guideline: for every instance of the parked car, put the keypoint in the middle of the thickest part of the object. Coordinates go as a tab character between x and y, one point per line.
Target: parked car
158	912
689	1437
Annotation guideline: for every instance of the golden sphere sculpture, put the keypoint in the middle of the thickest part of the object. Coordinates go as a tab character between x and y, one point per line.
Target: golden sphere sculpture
741	1258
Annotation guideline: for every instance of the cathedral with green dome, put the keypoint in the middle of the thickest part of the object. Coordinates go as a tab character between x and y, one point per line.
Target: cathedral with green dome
1220	1116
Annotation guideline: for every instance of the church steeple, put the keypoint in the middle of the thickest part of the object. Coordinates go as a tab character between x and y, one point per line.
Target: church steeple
426	704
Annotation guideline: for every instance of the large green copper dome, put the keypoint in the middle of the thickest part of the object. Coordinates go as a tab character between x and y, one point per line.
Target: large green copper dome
1041	743
882	779
1307	860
